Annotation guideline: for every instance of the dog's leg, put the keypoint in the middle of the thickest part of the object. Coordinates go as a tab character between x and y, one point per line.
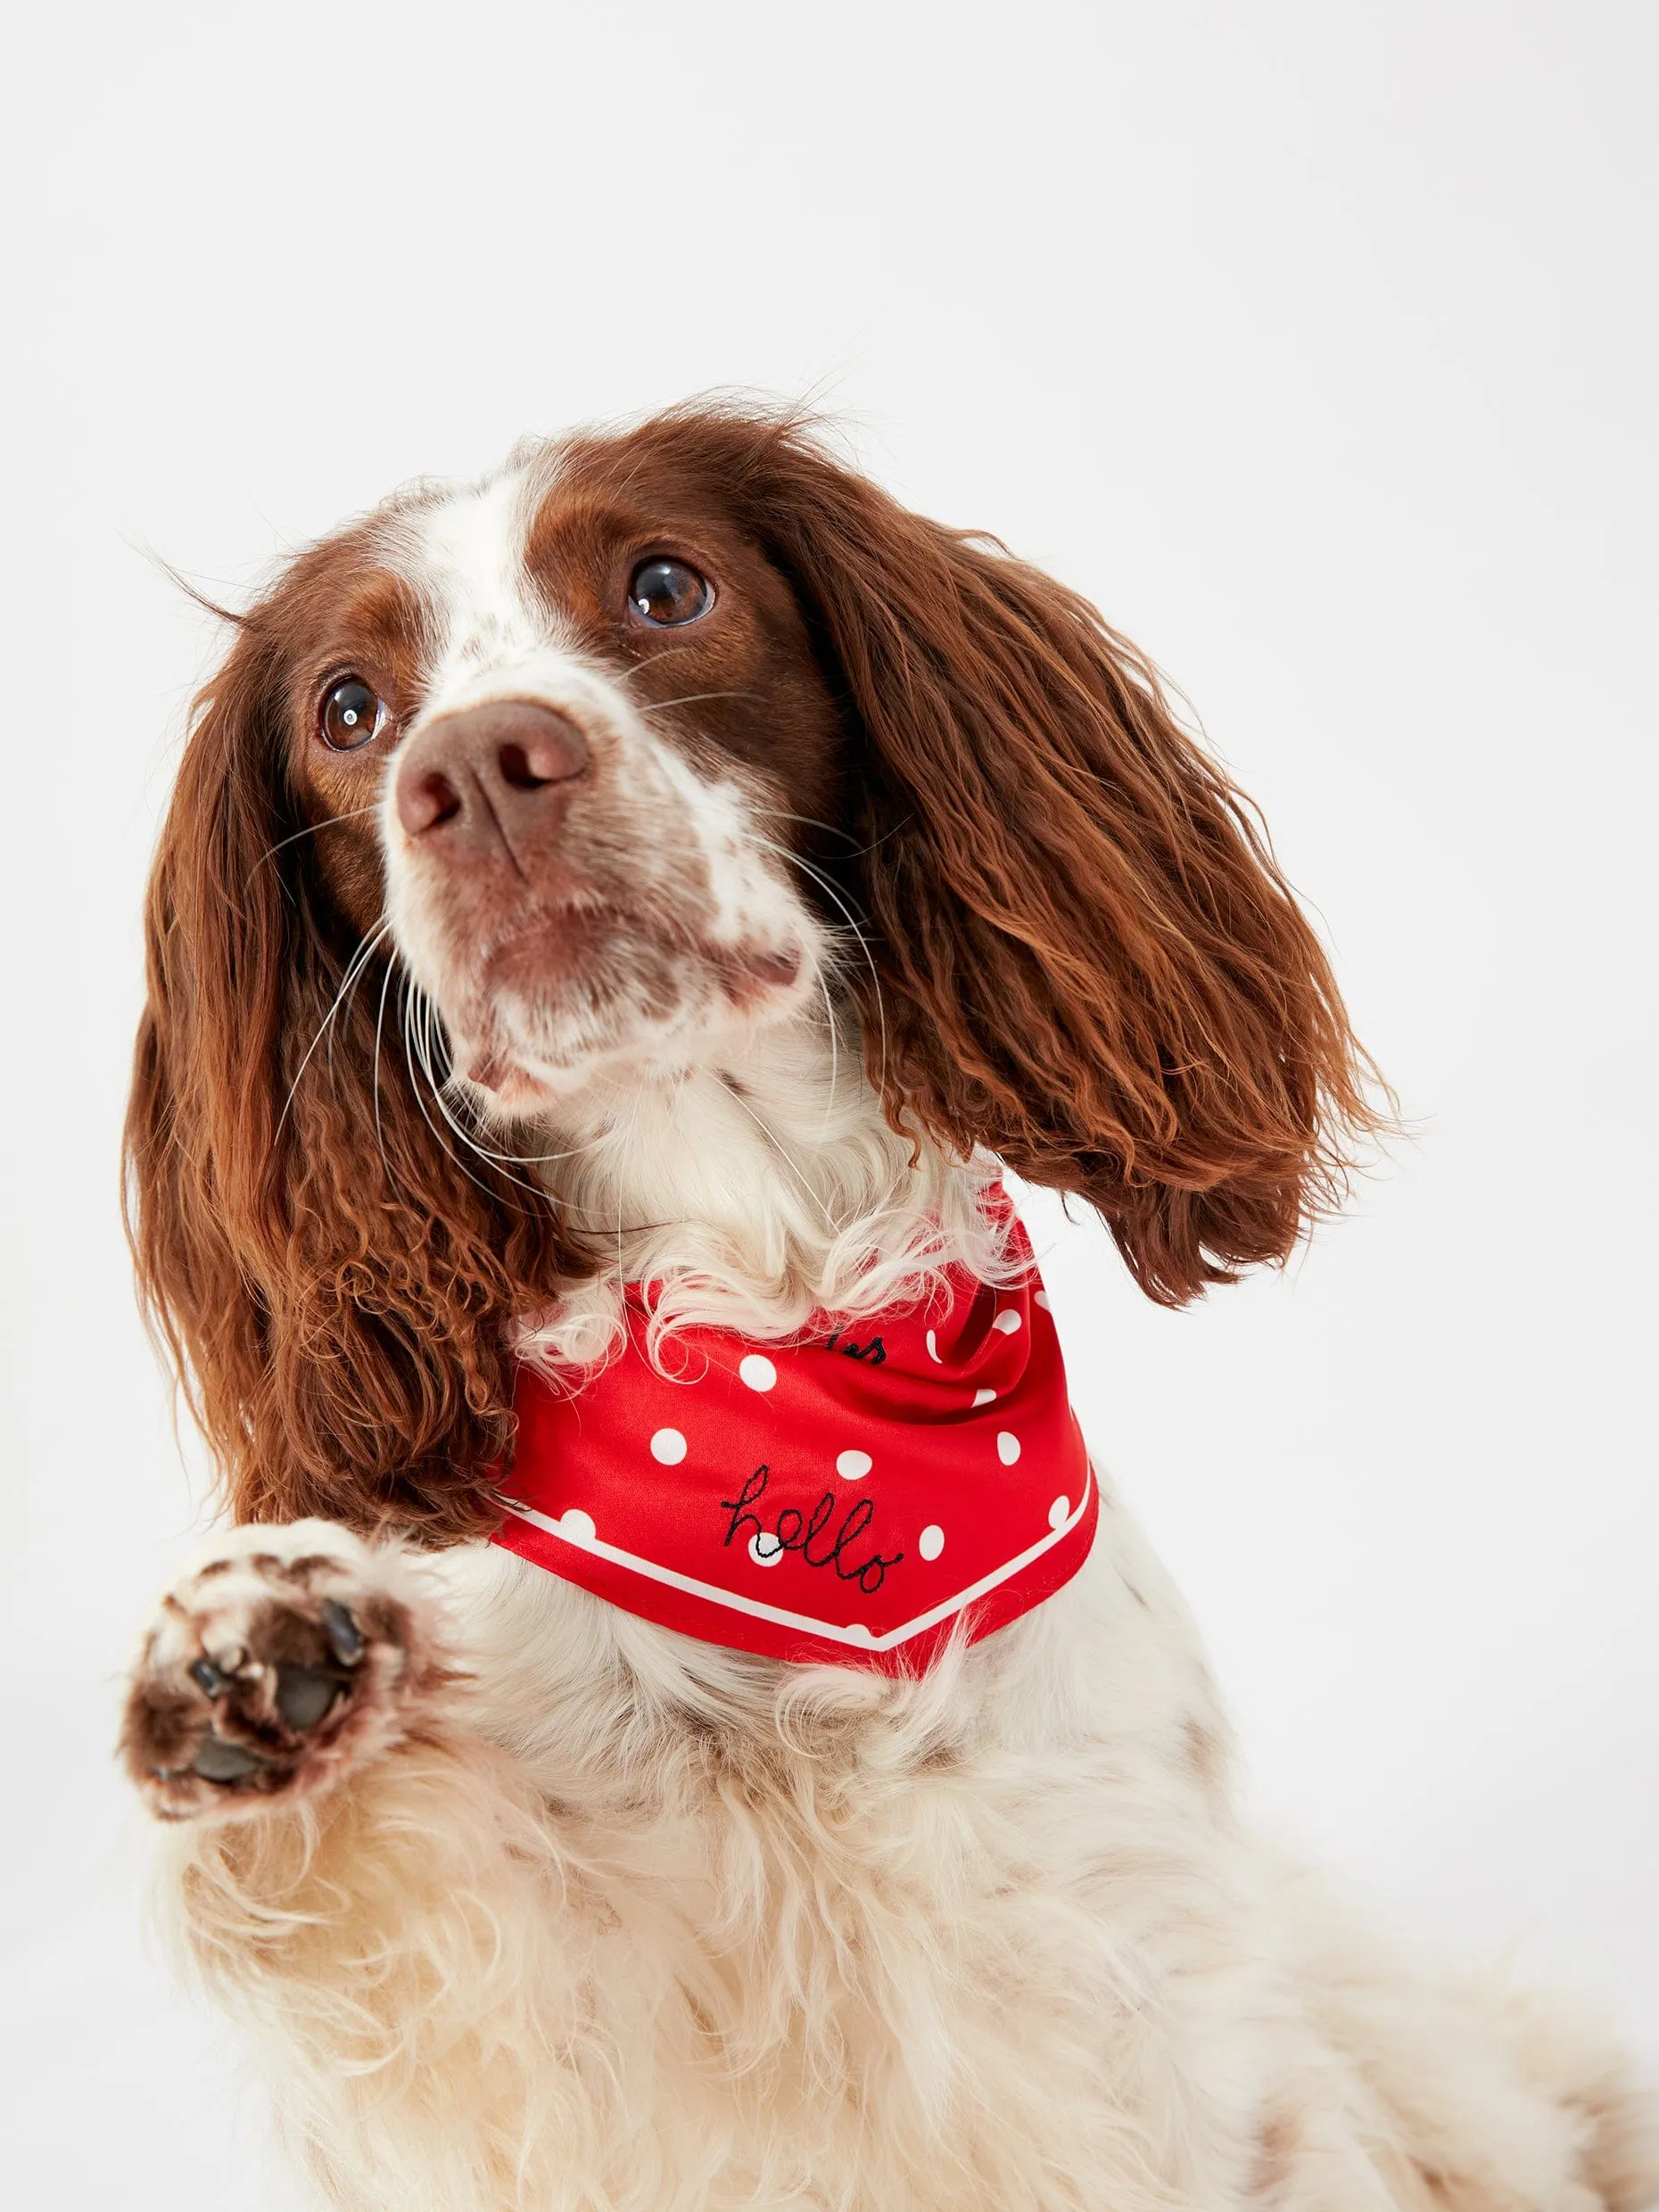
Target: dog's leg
362	1880
1465	2096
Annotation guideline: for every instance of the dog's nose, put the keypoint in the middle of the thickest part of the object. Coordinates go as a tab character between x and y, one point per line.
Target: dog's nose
487	774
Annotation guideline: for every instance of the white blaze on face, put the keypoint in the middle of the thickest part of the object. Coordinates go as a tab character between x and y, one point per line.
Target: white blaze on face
473	552
495	639
696	855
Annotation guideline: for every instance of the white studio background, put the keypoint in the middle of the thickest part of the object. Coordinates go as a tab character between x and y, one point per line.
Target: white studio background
1314	344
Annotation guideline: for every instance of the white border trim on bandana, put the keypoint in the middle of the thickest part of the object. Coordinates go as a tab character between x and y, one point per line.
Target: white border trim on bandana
858	1637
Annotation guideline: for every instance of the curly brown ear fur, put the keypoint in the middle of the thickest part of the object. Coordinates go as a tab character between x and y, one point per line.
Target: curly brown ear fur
1088	958
334	1283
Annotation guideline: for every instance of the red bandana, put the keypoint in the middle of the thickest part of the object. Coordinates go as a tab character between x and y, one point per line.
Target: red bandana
843	1496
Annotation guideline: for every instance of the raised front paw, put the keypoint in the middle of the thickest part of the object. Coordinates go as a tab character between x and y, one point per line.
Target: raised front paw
285	1657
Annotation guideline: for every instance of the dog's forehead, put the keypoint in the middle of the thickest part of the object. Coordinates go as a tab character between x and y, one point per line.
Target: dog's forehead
494	558
533	558
462	550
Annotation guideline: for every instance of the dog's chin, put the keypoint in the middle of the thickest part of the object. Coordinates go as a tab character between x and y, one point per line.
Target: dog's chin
591	999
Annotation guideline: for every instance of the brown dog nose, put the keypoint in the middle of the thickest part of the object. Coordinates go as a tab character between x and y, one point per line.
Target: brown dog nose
488	775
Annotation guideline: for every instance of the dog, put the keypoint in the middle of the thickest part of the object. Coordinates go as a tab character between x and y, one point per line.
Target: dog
678	1719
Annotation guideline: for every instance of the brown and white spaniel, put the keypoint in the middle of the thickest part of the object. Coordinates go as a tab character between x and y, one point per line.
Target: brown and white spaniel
628	905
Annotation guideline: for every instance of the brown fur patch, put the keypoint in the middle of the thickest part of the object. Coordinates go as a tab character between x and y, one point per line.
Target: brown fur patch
1277	2145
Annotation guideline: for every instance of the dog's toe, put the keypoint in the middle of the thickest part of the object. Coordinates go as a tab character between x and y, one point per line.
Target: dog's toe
345	1639
219	1761
273	1668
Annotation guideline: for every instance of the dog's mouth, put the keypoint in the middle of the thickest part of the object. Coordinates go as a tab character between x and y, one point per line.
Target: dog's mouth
570	988
556	950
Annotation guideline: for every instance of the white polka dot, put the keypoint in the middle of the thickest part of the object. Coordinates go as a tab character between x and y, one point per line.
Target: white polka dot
668	1445
931	1543
1060	1512
983	1398
859	1632
765	1551
1007	1321
853	1466
1007	1446
578	1524
933	1347
757	1371
1042	1300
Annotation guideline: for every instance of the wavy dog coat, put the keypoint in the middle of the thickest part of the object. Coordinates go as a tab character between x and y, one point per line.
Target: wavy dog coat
670	860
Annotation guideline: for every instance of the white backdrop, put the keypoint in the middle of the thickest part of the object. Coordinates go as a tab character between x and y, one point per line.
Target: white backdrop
1313	341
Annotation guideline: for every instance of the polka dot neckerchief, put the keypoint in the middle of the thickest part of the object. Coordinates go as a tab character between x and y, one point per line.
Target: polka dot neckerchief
846	1496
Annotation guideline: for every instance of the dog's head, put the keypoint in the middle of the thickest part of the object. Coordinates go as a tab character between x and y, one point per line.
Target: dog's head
595	773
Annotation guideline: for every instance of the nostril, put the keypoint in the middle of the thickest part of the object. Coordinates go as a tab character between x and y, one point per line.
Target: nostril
551	754
424	801
520	770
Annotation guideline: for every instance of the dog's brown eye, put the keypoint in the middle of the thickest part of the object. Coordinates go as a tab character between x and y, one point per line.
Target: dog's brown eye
668	592
351	714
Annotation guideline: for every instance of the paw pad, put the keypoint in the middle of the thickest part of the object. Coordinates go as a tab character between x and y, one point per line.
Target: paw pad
256	1687
220	1761
304	1694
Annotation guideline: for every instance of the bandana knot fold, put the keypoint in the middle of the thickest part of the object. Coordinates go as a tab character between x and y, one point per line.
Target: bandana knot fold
846	1496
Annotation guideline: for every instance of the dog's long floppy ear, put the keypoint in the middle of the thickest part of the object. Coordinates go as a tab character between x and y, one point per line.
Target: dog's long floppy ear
1089	961
334	1285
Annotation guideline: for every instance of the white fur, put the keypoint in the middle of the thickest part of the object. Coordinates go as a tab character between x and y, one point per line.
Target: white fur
629	1921
621	1922
773	1189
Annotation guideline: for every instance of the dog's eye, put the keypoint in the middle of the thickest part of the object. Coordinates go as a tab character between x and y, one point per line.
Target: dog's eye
350	715
667	592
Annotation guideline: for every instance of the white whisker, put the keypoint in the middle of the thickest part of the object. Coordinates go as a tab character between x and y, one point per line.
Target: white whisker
831	891
354	968
788	1158
418	1037
310	831
691	698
